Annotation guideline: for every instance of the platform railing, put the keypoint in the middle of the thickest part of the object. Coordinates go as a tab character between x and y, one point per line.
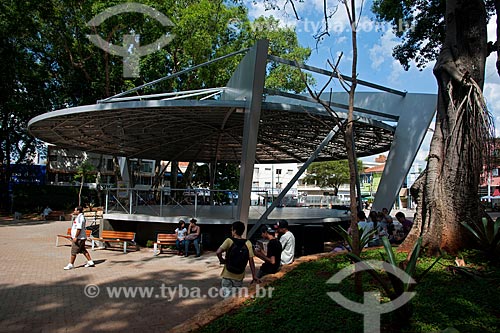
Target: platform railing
167	201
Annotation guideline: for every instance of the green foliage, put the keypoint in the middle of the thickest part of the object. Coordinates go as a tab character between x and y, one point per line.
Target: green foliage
150	243
29	198
48	62
299	302
420	42
409	267
421	26
283	42
83	170
365	237
486	234
329	174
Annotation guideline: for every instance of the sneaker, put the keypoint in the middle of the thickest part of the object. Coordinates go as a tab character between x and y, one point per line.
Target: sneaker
90	263
68	266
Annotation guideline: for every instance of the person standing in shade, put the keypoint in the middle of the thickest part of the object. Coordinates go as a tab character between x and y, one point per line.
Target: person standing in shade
287	240
272	258
238	252
193	235
78	238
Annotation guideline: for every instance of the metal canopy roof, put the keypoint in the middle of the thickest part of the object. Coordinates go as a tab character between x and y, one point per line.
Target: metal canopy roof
203	131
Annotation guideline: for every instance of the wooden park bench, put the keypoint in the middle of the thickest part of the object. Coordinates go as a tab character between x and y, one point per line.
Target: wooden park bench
110	236
163	239
57	215
68	235
92	217
168	240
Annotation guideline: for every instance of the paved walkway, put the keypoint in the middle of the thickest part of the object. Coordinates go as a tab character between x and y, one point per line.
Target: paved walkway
37	295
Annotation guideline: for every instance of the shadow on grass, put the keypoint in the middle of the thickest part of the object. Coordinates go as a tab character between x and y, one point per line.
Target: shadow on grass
300	303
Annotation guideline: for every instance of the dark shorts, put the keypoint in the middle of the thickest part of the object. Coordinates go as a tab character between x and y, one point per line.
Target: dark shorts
267	270
78	247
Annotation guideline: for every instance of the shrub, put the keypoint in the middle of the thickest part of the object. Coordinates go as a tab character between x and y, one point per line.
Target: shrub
486	234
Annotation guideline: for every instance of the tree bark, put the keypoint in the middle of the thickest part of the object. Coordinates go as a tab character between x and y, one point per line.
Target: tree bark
447	190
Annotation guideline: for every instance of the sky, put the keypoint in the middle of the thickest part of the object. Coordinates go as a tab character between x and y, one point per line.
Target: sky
375	44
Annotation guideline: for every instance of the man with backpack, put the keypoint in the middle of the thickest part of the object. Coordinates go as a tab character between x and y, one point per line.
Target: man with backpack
239	252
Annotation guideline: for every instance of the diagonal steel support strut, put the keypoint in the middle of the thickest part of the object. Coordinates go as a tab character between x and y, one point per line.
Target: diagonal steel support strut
299	173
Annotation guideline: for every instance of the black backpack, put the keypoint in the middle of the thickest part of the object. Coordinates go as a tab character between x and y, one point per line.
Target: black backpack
237	256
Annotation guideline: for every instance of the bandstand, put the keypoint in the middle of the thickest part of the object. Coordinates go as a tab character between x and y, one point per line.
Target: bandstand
241	122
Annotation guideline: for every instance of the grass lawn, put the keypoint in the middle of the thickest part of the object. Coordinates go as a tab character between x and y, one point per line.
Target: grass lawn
444	298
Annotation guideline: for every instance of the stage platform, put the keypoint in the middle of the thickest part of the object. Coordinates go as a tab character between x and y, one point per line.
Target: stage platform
207	215
215	221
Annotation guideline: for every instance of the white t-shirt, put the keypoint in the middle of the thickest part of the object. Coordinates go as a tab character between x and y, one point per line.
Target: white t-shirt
79	223
397	225
287	241
181	233
47	211
365	226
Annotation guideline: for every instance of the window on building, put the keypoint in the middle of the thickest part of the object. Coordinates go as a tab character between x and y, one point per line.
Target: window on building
267	184
289	172
267	169
494	172
278	171
256	171
147	166
109	165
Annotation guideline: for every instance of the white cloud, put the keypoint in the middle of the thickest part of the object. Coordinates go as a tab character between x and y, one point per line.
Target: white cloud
311	16
492	28
341	39
491	90
423	152
258	9
382	51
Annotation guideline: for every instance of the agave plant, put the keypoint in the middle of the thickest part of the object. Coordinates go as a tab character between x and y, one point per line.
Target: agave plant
397	285
486	234
364	239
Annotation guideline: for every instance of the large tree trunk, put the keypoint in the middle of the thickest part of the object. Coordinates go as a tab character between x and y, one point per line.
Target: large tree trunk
447	192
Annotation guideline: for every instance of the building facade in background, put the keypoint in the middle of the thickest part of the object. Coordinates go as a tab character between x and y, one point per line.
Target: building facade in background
268	182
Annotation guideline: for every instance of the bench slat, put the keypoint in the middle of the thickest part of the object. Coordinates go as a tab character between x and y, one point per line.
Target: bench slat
163	239
118	234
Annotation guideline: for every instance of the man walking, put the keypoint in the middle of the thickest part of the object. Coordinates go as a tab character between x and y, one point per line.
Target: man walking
239	252
78	238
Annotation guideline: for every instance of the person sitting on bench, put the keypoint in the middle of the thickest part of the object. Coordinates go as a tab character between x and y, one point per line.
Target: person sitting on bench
180	232
46	212
192	236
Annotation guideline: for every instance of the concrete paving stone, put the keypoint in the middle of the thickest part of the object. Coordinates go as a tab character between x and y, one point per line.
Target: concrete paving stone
39	296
